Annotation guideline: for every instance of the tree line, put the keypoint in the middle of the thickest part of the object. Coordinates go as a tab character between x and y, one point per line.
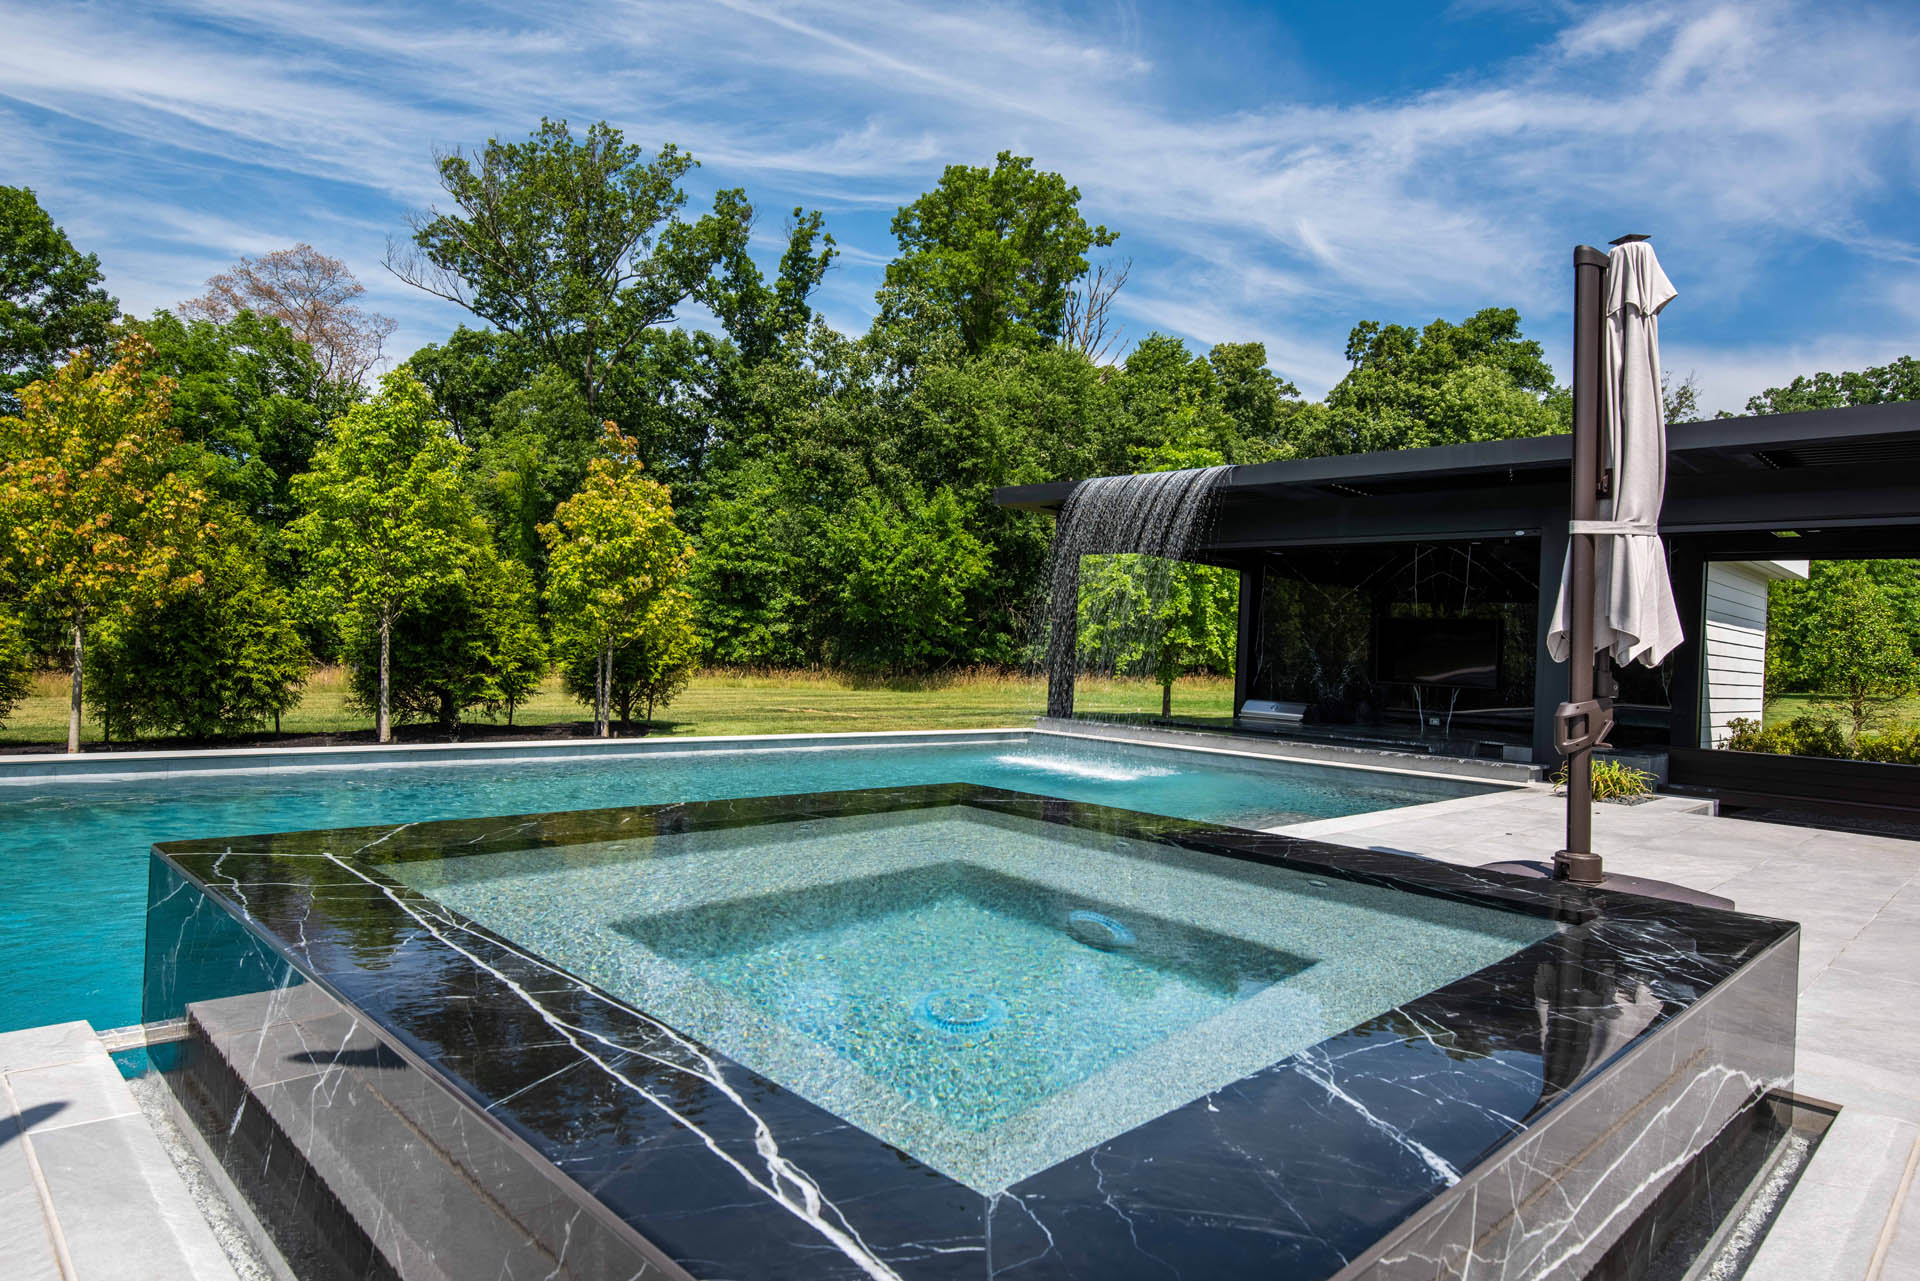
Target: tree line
202	503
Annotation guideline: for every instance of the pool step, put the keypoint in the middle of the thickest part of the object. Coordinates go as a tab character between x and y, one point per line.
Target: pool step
86	1188
360	1165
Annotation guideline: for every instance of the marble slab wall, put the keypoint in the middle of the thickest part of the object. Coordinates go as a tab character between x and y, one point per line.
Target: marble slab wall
361	1165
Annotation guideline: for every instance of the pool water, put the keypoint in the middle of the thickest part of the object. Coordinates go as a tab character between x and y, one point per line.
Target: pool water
972	993
986	992
73	874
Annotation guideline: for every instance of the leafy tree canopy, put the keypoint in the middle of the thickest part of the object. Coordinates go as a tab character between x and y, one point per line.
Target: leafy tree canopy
1861	658
1442	385
50	296
1875	385
222	658
574	246
249	394
314	296
996	250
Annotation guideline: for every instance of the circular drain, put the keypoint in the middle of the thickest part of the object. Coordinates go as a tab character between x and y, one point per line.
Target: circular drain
960	1013
1097	929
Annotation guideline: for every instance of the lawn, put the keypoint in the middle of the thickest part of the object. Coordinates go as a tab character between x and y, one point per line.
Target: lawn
719	703
1785	707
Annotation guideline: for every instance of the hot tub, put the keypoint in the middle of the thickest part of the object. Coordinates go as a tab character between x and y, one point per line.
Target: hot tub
941	1030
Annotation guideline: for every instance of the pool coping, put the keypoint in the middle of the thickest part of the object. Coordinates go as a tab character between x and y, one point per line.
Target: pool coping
109	767
1175	1183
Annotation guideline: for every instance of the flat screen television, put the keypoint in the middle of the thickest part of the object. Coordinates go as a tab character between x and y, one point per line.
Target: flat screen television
1461	652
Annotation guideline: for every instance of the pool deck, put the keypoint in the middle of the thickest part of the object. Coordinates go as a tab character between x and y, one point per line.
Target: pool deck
1856	1213
86	1188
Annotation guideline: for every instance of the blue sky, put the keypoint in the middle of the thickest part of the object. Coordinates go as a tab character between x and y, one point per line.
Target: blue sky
1276	172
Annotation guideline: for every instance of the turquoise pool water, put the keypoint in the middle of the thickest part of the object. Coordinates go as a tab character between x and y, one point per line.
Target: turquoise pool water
73	870
986	992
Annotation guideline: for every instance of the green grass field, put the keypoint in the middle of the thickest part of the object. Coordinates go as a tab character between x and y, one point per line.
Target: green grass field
1787	706
720	703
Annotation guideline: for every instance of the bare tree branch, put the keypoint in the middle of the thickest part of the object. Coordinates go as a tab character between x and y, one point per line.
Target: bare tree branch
1089	327
312	295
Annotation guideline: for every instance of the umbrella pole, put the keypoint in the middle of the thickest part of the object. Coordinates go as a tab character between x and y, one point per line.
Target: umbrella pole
1583	720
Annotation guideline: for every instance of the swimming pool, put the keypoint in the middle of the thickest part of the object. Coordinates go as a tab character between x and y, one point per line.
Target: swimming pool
73	878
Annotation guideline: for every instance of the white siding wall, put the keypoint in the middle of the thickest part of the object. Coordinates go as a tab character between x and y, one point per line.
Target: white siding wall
1736	647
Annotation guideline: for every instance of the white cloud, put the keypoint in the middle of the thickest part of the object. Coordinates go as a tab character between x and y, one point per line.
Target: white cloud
1737	133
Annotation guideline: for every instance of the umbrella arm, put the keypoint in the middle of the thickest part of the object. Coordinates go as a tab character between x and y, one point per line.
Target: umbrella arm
1583	726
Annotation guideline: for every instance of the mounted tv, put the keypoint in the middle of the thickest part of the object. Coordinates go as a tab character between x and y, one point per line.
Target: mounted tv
1460	652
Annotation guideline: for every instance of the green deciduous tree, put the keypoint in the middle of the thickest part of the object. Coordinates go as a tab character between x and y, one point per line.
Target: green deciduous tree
386	518
1858	655
534	453
995	251
1896	380
50	296
573	245
250	395
650	669
755	574
16	663
903	575
616	564
1261	403
1443	385
97	521
470	640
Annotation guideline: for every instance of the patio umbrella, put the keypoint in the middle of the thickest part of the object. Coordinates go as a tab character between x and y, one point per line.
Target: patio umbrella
1614	592
1634	614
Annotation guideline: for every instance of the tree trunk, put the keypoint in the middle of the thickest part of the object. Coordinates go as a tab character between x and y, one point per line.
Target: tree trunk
601	712
1166	700
382	727
73	708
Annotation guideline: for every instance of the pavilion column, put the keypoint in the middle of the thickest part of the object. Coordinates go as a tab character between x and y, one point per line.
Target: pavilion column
1246	654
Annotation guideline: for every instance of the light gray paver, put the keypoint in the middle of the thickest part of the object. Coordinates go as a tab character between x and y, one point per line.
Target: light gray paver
83	1175
1857	899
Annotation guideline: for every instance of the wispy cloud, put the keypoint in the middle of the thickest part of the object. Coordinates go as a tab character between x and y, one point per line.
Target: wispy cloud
1751	139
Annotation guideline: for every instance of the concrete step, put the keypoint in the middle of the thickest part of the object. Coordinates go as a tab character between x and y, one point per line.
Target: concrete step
86	1188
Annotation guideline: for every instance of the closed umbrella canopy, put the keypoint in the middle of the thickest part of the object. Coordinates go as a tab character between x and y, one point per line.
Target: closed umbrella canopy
1634	614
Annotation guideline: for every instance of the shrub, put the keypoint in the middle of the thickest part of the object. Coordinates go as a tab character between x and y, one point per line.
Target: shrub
224	657
1899	746
1612	780
1804	735
16	666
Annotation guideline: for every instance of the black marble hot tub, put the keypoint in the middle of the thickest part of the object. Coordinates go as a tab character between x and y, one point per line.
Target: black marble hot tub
401	1091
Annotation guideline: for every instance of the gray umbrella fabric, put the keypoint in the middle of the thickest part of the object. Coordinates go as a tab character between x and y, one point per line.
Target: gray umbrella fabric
1634	612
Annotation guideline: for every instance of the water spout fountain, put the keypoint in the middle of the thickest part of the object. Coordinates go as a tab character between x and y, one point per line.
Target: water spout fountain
1156	514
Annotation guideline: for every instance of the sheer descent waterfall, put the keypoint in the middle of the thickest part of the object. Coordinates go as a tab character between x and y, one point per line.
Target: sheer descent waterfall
1160	514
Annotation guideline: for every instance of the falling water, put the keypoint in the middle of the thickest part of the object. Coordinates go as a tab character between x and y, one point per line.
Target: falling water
1160	515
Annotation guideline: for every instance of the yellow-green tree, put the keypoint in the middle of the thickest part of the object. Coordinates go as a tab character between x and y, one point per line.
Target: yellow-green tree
386	519
97	521
616	575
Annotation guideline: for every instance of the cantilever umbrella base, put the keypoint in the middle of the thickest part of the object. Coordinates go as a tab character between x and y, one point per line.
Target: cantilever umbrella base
1645	886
